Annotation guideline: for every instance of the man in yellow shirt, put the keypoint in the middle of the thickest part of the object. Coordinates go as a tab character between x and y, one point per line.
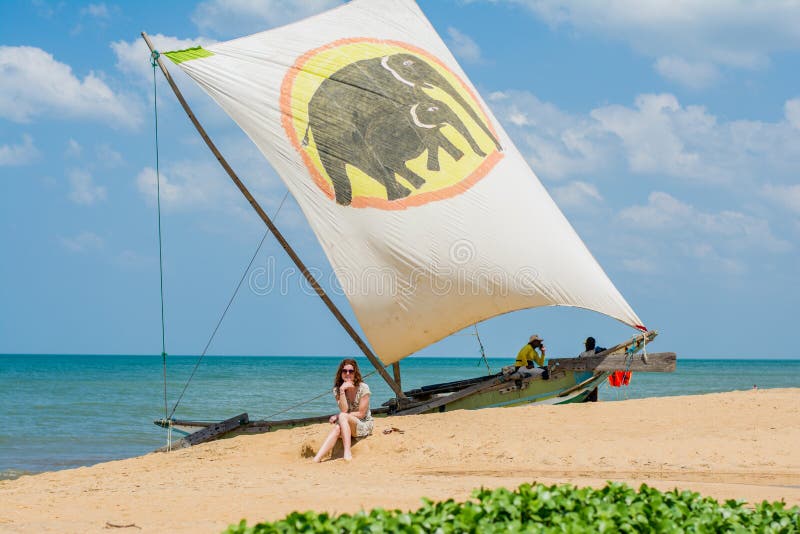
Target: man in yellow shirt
532	352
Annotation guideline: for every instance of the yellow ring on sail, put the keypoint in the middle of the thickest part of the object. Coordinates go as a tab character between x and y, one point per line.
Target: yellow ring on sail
453	176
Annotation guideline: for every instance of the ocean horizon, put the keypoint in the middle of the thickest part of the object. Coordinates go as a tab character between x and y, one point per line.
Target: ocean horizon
114	355
65	411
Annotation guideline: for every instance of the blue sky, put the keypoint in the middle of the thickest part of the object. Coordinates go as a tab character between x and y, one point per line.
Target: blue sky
668	133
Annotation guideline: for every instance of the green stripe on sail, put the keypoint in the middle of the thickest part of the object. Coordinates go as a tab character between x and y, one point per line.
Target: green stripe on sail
188	54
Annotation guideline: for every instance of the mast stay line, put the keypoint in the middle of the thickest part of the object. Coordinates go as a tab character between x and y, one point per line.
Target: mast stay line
274	230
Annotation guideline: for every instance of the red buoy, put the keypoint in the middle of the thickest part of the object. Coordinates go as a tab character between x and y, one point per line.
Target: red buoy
619	378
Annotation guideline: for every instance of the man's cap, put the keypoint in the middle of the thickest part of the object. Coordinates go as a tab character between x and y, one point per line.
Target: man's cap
535	337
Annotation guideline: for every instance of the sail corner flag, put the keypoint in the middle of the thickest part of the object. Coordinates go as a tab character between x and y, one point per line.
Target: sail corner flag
188	54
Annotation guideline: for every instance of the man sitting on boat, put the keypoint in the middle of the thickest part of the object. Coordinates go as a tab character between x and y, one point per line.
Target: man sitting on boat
532	353
591	348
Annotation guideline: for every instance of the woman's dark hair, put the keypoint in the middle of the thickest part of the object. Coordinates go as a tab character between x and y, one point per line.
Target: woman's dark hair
338	380
590	343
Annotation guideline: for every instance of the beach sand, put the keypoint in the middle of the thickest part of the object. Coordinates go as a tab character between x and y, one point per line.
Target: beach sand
740	445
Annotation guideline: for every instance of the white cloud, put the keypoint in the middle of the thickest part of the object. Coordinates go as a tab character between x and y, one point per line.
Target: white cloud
661	212
74	149
98	11
133	57
463	46
692	227
577	195
784	195
692	74
652	135
656	137
108	157
133	60
792	112
130	259
720	32
201	185
669	236
82	188
241	17
83	242
712	261
660	136
555	143
640	265
19	154
518	118
185	185
34	84
44	9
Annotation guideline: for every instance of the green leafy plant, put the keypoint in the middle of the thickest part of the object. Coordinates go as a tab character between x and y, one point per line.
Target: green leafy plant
560	508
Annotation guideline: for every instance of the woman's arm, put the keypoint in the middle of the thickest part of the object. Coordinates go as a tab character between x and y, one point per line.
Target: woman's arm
363	407
342	401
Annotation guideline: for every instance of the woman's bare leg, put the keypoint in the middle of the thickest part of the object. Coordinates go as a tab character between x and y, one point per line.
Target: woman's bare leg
347	424
328	444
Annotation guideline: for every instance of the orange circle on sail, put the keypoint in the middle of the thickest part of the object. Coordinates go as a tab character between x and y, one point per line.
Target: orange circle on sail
385	124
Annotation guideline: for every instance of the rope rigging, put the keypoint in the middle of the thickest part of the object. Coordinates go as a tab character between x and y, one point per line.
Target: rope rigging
483	351
154	62
167	413
309	401
230	301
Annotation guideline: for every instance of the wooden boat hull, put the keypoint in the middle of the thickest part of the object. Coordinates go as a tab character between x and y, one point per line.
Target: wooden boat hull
565	381
533	390
530	391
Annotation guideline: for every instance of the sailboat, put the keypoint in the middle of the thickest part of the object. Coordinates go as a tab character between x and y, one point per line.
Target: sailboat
429	215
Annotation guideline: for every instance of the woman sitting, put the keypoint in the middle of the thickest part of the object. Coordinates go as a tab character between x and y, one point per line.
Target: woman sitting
355	418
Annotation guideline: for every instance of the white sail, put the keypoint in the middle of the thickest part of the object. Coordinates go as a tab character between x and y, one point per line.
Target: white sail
429	215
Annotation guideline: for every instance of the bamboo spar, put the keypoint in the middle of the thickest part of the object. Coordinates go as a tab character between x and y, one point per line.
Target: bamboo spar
274	230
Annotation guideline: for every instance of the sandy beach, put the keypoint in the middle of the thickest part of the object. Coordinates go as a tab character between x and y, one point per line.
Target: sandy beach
739	445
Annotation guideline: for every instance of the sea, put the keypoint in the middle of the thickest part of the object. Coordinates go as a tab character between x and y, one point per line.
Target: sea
65	411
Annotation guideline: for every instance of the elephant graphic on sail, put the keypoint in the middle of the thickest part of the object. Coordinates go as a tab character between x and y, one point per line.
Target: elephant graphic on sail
375	115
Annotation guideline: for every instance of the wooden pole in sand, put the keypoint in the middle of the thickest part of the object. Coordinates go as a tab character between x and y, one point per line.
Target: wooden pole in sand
272	228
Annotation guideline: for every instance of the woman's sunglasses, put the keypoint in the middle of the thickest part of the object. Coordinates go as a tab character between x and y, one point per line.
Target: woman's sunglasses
348	371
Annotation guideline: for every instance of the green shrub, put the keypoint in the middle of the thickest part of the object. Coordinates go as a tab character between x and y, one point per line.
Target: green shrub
563	508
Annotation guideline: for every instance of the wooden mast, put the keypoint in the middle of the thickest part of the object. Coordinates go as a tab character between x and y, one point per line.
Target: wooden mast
272	228
396	373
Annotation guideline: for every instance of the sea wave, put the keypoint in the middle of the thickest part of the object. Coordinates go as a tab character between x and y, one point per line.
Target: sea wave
11	474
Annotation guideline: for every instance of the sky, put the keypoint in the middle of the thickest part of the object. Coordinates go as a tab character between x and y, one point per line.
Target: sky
667	132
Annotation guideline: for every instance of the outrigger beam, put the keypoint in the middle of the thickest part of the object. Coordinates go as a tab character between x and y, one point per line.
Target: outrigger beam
272	228
655	362
209	433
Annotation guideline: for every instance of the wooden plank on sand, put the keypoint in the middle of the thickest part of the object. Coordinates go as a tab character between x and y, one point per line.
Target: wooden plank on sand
656	362
208	433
